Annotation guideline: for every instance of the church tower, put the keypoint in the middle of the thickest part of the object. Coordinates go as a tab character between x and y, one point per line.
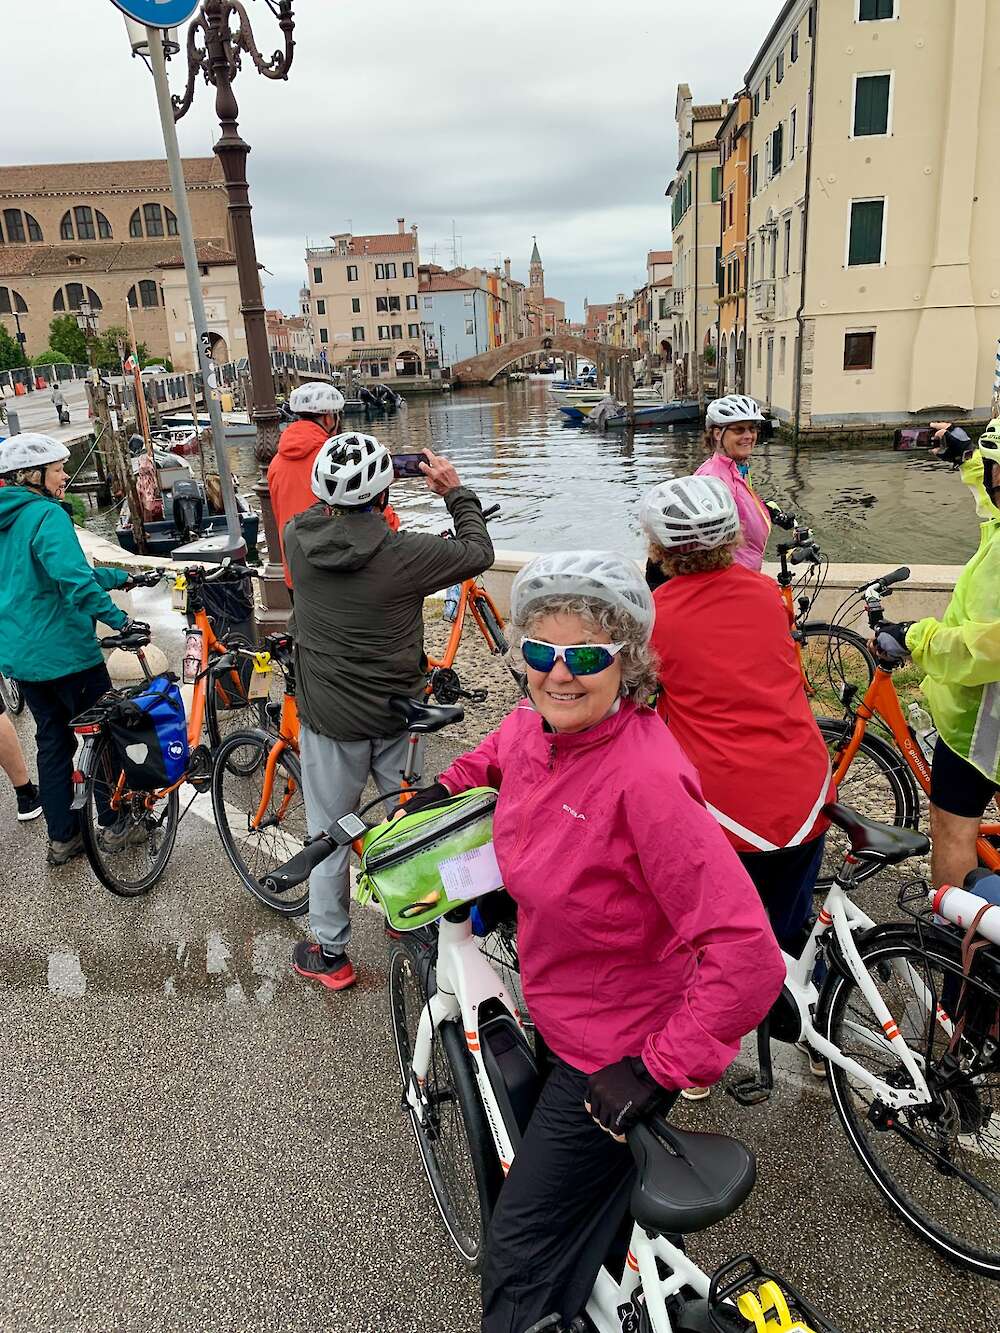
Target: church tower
536	276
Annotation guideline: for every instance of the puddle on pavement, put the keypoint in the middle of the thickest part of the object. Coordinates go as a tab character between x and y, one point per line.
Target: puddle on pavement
231	973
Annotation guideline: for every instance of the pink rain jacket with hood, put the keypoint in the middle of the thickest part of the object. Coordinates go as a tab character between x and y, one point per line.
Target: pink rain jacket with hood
754	518
639	931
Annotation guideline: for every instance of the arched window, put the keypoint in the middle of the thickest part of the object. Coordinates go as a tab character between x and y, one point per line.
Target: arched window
19	227
11	301
87	229
145	294
171	222
70	297
152	216
135	225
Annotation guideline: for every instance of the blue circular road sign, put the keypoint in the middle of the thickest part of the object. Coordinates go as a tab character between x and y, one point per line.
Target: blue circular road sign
158	13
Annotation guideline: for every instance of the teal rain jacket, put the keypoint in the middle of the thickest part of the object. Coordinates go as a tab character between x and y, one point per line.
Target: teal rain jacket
49	595
961	652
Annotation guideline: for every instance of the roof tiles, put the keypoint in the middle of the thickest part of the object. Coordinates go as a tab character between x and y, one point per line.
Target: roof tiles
86	178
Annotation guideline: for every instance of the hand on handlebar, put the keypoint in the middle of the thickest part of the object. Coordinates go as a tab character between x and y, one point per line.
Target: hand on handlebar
778	516
148	579
889	642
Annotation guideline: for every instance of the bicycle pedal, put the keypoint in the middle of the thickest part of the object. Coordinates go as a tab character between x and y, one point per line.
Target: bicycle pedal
199	772
750	1091
477	696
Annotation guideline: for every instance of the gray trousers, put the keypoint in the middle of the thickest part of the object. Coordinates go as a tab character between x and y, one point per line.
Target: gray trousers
334	775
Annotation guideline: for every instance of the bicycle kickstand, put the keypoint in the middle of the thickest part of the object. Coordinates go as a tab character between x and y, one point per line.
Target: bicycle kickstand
753	1089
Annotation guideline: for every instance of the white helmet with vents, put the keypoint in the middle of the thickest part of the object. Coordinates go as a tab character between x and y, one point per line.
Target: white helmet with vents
733	408
351	469
30	450
690	514
602	576
316	399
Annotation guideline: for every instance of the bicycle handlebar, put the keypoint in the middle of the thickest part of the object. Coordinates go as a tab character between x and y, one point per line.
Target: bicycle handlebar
301	865
899	575
808	551
199	572
491	512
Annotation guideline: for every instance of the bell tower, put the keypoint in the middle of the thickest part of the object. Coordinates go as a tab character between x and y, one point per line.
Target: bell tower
536	275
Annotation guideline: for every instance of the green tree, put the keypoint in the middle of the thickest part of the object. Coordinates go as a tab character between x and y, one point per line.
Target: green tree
66	336
106	348
11	355
50	358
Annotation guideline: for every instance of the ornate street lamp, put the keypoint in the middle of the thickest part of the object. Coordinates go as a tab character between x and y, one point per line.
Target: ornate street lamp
86	318
217	41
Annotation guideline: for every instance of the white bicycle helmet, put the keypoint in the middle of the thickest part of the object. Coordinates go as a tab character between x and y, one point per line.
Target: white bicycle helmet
351	469
989	441
733	408
690	514
29	450
316	399
604	576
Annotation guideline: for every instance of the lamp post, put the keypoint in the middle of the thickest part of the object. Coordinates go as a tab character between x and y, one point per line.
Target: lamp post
218	58
86	318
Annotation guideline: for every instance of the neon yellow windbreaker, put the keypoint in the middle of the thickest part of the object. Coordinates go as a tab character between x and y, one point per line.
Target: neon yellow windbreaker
961	652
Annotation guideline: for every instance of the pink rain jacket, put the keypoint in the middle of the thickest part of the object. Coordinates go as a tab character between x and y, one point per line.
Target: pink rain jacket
639	931
754	518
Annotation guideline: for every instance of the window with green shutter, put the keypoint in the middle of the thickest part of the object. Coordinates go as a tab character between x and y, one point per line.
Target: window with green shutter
871	104
871	10
716	184
865	244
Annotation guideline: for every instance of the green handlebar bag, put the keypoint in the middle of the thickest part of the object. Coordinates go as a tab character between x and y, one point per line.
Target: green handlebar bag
400	858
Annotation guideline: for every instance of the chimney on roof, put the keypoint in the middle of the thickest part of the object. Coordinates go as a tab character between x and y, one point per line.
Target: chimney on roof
401	225
506	269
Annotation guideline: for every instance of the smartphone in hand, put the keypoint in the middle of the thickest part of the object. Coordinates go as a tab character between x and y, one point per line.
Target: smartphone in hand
407	465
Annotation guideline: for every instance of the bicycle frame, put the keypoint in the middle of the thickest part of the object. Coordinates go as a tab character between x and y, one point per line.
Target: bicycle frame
465	983
471	596
882	701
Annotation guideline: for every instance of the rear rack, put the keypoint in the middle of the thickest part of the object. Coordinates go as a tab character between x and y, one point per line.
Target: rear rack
763	1289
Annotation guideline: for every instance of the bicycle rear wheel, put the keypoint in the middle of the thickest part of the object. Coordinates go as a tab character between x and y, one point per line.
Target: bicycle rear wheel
877	784
938	1165
832	658
10	692
455	1144
239	776
130	850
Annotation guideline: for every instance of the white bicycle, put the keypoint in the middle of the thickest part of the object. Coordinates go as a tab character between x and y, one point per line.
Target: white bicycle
910	1043
470	1081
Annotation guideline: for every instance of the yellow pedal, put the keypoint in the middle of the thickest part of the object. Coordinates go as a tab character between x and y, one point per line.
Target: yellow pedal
769	1300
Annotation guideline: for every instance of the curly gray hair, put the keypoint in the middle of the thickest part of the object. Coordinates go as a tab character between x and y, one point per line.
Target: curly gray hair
637	659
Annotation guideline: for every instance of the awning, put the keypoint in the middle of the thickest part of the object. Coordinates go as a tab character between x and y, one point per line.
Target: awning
368	354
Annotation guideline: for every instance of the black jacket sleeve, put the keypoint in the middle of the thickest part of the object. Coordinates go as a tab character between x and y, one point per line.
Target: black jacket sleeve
433	562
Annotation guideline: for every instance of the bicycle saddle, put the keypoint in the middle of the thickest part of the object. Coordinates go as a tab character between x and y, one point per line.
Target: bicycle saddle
870	838
687	1181
424	718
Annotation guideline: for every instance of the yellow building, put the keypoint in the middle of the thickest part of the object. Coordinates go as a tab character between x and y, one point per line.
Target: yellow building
694	193
734	150
875	299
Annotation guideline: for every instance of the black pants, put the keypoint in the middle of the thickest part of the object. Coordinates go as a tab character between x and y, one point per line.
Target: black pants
559	1213
785	880
53	705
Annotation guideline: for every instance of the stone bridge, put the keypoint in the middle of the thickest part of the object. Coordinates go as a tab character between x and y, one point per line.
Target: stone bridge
485	367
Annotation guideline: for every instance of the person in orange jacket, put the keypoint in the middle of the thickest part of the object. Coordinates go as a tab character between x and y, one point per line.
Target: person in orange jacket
319	408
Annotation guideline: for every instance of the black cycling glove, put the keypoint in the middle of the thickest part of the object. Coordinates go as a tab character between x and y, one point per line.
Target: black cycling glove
431	795
622	1093
890	640
778	516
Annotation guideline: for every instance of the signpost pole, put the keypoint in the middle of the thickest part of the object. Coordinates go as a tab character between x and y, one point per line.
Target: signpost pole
237	546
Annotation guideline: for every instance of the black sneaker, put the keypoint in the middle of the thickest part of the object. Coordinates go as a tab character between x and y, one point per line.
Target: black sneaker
28	804
335	973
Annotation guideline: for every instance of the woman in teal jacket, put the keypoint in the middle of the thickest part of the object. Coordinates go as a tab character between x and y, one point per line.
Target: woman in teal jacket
49	600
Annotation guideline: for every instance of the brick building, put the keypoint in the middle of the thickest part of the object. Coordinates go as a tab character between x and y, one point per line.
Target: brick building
107	231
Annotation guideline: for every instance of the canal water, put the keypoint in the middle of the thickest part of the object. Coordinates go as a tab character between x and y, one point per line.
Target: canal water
561	485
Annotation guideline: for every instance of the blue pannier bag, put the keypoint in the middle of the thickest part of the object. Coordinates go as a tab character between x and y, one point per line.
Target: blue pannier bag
149	729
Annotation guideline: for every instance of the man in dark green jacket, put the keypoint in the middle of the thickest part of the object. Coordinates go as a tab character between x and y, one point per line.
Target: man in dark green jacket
49	600
359	636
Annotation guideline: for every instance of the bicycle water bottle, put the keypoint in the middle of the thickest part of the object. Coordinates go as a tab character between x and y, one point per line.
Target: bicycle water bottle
959	906
191	664
451	600
924	729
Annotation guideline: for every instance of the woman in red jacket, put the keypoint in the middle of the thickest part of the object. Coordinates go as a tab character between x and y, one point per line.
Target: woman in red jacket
731	690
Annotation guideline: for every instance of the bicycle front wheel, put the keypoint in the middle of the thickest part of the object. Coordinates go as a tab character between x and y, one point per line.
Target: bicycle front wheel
128	836
260	813
452	1135
10	692
937	1164
227	707
877	784
833	657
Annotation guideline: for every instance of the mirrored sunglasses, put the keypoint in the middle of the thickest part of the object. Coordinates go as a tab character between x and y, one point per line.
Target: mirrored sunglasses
582	659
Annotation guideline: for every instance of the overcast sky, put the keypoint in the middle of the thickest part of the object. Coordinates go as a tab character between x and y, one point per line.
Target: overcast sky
527	117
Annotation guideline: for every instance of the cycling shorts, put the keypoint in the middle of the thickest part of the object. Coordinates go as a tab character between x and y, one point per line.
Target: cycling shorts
957	787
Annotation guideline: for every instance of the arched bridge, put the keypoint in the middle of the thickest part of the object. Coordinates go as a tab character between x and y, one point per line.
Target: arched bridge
485	367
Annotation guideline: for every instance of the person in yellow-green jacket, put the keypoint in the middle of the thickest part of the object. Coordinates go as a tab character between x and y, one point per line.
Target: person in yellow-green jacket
960	654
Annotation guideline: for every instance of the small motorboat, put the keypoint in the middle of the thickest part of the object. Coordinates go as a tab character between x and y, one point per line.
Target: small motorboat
236	425
176	440
380	398
645	414
188	521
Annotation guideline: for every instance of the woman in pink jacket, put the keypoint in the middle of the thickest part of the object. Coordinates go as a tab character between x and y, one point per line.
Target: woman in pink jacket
645	952
732	426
